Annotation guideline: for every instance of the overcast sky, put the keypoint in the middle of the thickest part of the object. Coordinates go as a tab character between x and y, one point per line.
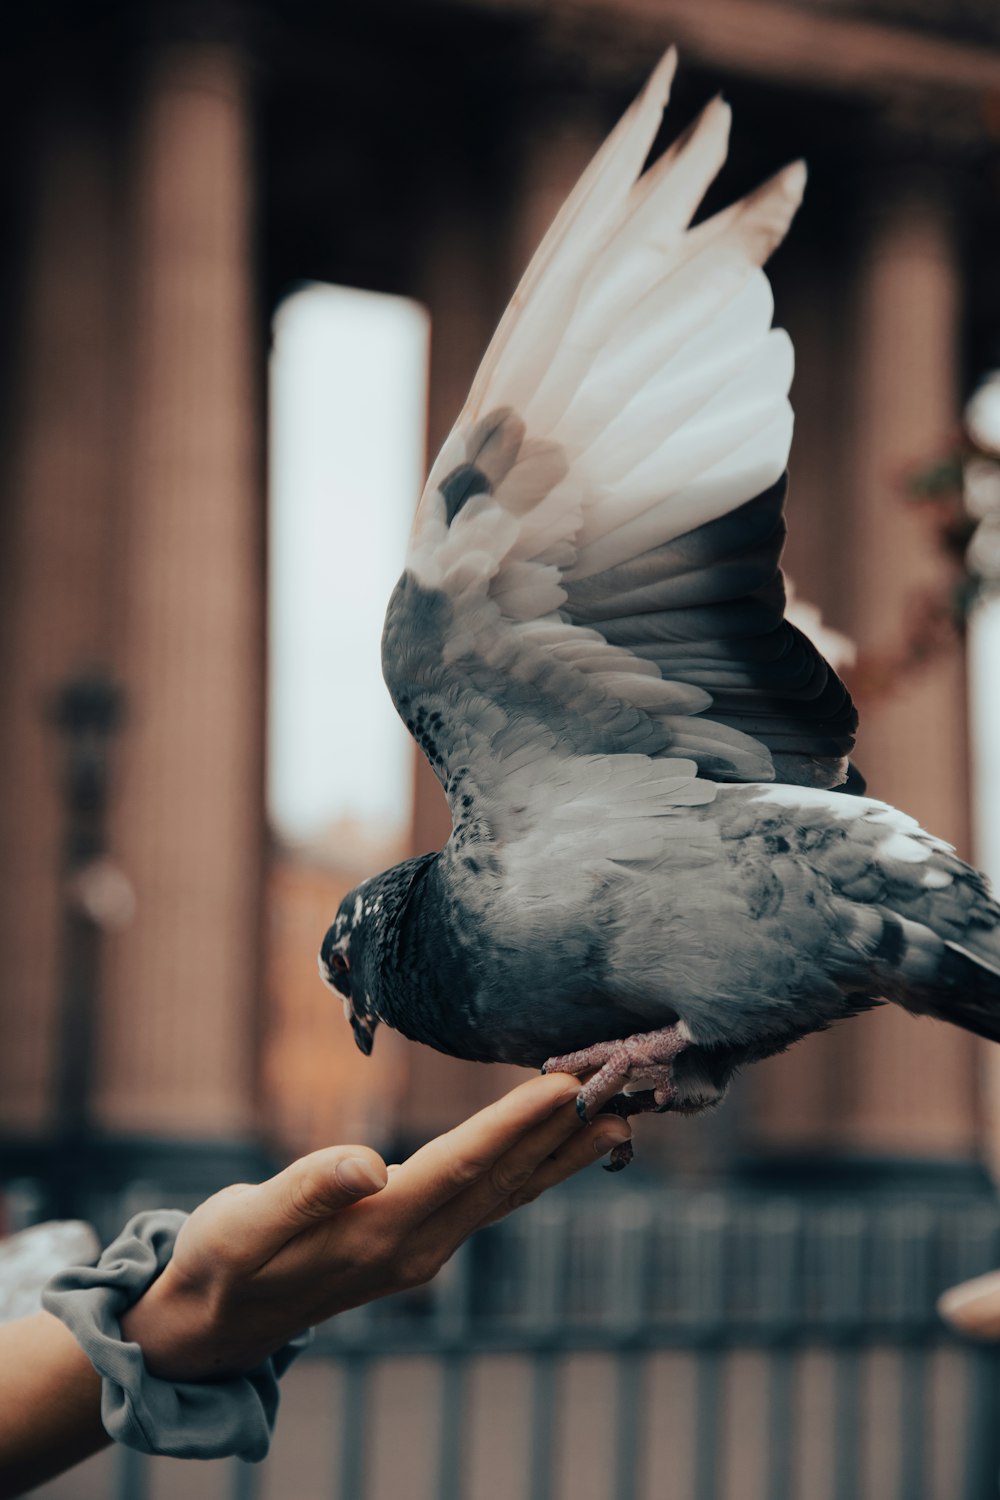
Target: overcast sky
348	400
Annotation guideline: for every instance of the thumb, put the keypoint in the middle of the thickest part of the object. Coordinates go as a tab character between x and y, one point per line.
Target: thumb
305	1193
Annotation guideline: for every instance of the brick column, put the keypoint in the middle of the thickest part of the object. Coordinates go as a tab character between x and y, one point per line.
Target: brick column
452	285
178	1035
57	536
466	291
885	1083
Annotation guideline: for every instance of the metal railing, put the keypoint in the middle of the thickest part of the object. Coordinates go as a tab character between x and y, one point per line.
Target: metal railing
742	1347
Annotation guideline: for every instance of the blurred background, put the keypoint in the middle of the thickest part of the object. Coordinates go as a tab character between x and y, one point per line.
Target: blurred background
251	256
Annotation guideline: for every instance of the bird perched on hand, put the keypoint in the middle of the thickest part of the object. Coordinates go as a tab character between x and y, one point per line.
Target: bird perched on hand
654	871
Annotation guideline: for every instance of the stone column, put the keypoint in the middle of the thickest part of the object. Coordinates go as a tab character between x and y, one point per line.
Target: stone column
54	613
890	1084
178	1037
466	290
453	285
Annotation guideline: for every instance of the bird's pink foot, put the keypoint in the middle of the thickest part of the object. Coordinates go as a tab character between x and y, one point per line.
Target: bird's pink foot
648	1054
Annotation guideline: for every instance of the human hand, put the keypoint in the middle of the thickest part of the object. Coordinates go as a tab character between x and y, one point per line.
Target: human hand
973	1307
255	1265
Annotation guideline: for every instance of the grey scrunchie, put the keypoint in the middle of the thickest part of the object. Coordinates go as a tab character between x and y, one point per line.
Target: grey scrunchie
182	1419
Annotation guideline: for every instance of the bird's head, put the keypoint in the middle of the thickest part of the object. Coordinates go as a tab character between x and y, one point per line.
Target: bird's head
358	956
340	966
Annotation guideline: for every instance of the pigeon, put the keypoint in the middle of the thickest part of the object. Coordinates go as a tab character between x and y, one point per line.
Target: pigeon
663	864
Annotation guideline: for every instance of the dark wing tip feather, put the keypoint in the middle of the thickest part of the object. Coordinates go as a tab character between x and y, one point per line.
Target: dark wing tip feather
708	609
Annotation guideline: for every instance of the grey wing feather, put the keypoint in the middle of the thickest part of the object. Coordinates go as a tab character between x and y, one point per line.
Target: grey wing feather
708	609
593	569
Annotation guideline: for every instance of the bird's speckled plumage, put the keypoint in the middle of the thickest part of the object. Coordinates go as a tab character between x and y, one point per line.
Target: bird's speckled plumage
641	754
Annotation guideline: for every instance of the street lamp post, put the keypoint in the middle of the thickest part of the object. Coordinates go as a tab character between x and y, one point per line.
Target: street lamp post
86	711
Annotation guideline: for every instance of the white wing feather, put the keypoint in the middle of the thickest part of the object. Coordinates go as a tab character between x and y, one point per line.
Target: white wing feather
633	392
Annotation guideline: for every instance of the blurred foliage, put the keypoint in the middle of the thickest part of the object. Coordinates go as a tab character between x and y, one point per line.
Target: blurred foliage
960	493
963	488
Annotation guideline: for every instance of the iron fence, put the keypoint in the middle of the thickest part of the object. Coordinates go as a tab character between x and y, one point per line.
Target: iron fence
645	1342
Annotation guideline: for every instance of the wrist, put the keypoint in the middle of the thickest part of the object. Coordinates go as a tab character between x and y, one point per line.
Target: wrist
171	1324
196	1410
191	1331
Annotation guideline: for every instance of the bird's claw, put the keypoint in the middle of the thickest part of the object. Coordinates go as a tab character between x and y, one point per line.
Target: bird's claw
614	1064
619	1158
642	1102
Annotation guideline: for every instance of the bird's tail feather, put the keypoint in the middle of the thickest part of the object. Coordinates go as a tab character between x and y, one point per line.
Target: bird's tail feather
953	981
969	993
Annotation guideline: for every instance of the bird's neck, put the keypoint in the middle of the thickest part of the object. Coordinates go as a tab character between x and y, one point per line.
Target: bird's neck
424	983
390	900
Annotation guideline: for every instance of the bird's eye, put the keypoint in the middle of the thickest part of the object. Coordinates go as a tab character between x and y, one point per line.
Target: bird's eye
339	962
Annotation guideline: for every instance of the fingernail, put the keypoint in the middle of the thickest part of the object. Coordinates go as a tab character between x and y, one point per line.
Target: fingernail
606	1140
358	1176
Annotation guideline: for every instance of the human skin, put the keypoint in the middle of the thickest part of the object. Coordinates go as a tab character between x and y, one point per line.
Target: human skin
256	1264
973	1309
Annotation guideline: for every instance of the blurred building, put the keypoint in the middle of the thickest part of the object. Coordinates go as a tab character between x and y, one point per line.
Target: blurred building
173	171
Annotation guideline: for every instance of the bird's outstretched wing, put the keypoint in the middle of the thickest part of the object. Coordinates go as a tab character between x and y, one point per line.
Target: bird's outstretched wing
594	564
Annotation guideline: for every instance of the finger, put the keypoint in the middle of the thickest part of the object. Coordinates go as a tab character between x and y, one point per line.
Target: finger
583	1149
261	1220
452	1163
973	1308
456	1219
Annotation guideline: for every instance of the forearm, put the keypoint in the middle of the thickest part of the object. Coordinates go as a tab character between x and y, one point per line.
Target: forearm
50	1403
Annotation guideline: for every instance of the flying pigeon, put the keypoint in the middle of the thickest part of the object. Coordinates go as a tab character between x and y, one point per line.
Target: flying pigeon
656	872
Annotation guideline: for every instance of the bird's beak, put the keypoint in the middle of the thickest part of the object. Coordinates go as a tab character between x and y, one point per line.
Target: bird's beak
364	1033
